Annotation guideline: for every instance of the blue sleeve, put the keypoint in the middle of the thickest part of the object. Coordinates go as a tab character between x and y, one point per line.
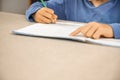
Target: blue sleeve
56	5
116	30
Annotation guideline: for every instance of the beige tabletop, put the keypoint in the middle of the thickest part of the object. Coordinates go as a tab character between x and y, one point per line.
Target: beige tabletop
35	58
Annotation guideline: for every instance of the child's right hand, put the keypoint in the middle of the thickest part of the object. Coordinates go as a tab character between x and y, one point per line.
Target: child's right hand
45	15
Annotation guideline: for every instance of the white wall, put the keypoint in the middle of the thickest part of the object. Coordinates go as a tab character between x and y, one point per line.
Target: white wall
15	6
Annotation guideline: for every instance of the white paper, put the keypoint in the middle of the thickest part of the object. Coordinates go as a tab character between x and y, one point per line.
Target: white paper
62	30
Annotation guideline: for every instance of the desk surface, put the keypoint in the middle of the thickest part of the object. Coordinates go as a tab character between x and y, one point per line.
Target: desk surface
35	58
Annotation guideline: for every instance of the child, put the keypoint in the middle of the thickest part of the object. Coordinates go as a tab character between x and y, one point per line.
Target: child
102	16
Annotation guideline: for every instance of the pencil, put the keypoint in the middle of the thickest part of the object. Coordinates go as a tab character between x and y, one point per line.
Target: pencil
43	3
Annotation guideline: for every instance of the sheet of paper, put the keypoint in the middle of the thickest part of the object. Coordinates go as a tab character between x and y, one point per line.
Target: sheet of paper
62	29
105	41
58	30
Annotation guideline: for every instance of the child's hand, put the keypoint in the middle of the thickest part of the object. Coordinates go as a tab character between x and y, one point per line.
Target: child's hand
95	30
45	15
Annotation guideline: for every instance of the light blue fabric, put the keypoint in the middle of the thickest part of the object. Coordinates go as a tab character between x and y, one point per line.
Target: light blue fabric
83	11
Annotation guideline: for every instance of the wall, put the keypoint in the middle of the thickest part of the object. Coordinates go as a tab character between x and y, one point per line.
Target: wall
0	5
14	6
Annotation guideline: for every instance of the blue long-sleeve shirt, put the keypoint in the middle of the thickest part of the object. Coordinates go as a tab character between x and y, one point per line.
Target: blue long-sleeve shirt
83	11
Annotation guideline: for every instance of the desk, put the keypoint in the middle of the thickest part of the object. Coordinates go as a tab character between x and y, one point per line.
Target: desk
35	58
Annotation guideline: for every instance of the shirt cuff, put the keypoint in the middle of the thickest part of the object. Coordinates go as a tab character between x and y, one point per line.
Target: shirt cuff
33	8
116	30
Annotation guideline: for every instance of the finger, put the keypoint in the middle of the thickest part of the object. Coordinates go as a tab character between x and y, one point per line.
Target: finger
39	21
49	10
48	13
74	33
43	19
55	18
49	16
52	13
91	31
97	34
85	29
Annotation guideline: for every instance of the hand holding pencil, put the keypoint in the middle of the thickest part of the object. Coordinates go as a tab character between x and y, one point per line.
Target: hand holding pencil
45	15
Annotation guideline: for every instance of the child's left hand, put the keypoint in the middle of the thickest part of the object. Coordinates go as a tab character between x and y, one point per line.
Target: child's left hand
95	30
